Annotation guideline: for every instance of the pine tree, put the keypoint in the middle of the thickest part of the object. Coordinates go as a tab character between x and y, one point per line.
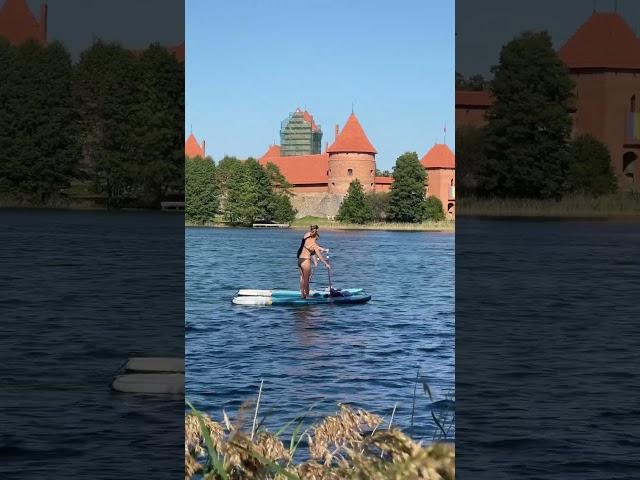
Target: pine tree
529	124
407	195
354	209
201	196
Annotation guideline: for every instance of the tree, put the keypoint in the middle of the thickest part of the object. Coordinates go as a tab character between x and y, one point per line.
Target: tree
201	195
589	170
383	173
283	211
261	183
108	90
407	195
433	209
353	208
378	203
529	123
470	158
278	180
474	83
156	130
38	122
242	197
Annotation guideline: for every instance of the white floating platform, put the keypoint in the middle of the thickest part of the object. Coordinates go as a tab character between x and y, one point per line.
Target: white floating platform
150	383
155	365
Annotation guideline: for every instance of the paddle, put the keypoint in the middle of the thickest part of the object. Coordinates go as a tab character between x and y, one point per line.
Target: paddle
332	292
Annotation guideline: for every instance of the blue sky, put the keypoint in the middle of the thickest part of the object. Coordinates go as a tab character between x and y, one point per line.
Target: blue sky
251	62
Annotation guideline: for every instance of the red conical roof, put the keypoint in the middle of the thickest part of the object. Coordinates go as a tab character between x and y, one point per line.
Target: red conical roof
17	23
309	119
192	148
352	139
603	41
440	156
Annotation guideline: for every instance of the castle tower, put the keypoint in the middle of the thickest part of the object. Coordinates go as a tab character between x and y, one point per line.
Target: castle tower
440	164
18	24
192	148
299	135
603	57
351	157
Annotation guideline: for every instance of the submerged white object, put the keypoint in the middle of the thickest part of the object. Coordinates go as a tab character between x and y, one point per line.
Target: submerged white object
254	300
155	364
150	383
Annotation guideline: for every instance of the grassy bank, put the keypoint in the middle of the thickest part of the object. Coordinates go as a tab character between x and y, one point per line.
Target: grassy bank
323	223
575	206
353	444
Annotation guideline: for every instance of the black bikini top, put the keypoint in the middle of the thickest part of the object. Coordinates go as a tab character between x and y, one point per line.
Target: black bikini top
302	245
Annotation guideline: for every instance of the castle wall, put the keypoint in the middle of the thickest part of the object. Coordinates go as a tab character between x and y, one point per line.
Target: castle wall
346	167
316	204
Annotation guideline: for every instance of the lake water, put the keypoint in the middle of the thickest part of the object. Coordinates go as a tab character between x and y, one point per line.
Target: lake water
547	367
366	355
80	292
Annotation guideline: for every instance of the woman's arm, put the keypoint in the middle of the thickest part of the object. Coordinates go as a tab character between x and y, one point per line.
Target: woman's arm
321	258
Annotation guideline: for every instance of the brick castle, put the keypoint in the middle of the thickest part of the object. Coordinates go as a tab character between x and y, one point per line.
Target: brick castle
321	179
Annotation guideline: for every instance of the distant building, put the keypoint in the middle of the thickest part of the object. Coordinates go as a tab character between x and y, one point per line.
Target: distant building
299	135
321	180
18	24
603	59
193	149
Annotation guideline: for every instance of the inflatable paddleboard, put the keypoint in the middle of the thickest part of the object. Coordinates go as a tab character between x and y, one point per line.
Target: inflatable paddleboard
289	293
319	298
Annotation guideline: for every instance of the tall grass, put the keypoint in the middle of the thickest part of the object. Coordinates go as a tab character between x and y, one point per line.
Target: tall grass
573	206
347	445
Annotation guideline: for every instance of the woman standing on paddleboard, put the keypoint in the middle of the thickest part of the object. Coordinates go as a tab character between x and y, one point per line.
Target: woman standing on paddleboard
309	249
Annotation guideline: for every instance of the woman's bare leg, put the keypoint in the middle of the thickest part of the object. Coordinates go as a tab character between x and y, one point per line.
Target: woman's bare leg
301	281
306	272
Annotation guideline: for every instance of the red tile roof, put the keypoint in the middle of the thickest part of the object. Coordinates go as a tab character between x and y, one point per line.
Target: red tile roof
18	24
273	151
605	40
440	156
468	98
192	148
383	180
301	169
309	119
352	139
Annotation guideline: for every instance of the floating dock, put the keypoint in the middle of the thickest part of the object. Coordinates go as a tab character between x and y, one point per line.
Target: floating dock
271	225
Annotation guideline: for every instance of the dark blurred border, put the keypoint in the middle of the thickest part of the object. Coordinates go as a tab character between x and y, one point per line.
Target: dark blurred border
91	236
547	246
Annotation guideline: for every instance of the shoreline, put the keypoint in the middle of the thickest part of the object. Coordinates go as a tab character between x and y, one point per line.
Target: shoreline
448	226
618	206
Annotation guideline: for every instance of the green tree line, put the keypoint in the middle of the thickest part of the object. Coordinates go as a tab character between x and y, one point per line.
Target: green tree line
526	150
406	201
242	192
112	123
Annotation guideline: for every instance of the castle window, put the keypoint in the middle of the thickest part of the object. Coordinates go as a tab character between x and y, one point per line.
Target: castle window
633	103
350	172
333	184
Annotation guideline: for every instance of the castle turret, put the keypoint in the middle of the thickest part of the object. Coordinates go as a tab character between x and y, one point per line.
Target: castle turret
351	157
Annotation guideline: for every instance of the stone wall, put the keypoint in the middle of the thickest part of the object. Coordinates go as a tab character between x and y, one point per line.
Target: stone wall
316	204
